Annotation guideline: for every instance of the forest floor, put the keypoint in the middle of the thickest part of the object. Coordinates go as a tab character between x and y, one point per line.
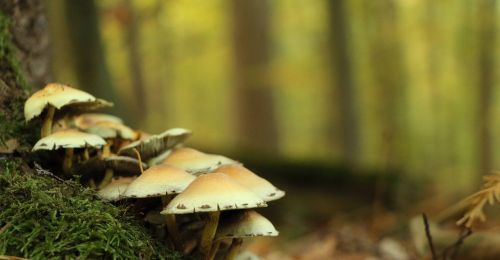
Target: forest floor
318	223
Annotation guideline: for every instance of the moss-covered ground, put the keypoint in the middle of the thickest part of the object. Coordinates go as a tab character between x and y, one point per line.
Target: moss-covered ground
45	218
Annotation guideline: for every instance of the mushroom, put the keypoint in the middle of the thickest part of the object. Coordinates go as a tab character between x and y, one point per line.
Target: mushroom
255	183
114	190
161	181
95	166
212	193
196	162
240	224
155	145
106	126
56	96
68	139
90	119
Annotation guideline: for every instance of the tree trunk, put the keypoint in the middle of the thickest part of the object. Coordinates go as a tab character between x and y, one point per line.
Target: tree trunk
132	38
256	122
24	62
343	99
487	15
87	54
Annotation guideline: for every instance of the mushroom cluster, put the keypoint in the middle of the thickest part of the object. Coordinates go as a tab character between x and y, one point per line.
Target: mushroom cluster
197	200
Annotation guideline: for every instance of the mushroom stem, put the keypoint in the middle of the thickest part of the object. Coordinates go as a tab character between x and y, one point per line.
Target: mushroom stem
172	229
47	121
86	155
214	249
108	176
234	248
106	150
208	234
68	160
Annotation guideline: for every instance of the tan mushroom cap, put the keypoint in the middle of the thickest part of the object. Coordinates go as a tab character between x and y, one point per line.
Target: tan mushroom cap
213	192
87	120
255	183
112	130
196	162
245	224
114	190
158	181
69	138
57	95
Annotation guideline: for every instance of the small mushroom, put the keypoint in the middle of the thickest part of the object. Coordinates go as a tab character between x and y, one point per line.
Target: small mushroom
196	162
56	96
212	193
68	140
161	181
114	190
255	183
241	224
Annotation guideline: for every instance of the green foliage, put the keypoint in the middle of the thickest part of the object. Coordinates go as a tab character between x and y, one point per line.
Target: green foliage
41	218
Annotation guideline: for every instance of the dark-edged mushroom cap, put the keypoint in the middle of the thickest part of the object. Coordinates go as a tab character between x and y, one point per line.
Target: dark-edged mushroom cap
196	162
115	189
155	145
59	96
255	183
213	192
248	223
121	165
111	130
69	138
158	181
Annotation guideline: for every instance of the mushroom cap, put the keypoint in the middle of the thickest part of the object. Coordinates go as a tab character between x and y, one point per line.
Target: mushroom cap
158	181
94	167
69	138
87	120
111	130
55	94
155	145
213	192
114	190
255	183
247	223
196	162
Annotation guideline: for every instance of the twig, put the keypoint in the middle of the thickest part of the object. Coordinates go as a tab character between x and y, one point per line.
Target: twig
429	237
456	246
41	171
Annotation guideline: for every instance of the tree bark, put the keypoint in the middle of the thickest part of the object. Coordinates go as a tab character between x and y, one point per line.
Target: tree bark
24	62
87	52
132	37
343	99
487	36
255	115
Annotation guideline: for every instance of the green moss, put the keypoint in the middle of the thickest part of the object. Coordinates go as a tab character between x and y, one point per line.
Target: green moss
41	218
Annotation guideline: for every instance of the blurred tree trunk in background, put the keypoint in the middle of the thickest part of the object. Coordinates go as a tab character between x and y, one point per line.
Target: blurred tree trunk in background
255	119
343	99
388	75
487	40
89	62
30	35
132	38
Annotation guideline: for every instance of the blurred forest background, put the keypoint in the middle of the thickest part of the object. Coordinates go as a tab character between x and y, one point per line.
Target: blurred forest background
400	88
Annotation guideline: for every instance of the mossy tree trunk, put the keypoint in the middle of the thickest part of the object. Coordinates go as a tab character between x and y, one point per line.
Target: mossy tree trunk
24	62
